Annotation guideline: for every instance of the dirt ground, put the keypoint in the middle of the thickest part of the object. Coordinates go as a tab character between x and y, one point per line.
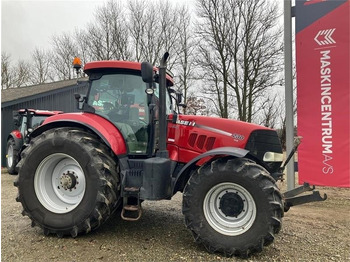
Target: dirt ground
313	232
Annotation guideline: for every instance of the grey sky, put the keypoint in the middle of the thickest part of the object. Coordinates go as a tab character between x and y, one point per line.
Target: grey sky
26	24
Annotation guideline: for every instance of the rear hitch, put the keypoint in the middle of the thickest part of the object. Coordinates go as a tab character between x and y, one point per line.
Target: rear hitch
291	197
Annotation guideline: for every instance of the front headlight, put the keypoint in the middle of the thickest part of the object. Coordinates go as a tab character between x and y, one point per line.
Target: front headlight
273	157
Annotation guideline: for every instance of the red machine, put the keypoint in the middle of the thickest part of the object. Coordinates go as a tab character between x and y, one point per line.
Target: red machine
130	144
26	120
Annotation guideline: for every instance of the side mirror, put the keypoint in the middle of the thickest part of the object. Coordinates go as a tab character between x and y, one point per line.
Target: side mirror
79	101
147	72
179	97
82	103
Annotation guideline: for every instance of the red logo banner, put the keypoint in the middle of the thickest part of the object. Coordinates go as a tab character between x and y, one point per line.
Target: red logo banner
323	93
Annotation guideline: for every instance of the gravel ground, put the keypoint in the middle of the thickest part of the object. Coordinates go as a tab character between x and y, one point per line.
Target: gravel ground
312	232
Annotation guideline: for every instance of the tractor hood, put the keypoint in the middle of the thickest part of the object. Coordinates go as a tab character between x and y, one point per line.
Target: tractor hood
239	131
199	134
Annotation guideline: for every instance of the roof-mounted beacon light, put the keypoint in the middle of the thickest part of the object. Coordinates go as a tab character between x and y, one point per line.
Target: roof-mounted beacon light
77	65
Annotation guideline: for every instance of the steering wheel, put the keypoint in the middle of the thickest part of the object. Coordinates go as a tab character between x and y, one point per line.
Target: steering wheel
107	106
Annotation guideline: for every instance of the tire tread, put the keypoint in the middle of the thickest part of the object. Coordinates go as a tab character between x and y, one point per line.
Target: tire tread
108	195
258	175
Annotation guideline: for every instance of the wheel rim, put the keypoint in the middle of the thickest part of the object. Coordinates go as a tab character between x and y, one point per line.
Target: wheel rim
59	183
229	209
10	156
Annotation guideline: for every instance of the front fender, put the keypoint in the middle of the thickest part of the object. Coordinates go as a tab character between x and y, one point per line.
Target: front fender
184	174
103	128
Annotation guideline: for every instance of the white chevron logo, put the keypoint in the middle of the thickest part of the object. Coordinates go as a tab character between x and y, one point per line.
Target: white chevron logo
324	37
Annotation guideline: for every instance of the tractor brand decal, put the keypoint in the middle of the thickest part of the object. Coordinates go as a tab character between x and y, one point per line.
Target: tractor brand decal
185	122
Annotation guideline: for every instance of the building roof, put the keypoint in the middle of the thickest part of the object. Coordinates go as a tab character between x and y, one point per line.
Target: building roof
11	94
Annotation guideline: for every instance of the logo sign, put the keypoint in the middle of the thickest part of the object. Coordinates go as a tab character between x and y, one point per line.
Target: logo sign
323	91
324	37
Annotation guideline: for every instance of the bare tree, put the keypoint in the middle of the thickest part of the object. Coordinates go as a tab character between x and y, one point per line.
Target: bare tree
270	109
214	31
154	29
240	52
259	58
21	74
138	27
196	105
108	35
64	51
185	66
144	30
83	42
6	71
41	66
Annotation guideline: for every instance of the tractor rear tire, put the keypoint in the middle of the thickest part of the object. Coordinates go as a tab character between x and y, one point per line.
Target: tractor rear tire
11	156
68	182
232	206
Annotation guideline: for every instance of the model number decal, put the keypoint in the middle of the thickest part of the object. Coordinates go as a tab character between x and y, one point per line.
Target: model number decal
238	136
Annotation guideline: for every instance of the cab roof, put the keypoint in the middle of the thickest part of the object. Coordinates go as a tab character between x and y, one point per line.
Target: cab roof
115	64
112	64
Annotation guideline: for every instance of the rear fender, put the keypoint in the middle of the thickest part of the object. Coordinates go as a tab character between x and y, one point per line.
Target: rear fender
18	141
98	125
185	172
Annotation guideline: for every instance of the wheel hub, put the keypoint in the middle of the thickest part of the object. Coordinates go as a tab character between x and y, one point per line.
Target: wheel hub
10	156
231	204
59	183
229	208
68	180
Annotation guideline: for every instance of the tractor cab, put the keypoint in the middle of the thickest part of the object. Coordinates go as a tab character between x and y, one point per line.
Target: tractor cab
26	120
120	95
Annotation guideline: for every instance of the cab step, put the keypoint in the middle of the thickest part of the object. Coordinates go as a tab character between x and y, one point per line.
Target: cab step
132	210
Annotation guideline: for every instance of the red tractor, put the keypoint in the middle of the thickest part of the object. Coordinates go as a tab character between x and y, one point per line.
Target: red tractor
130	144
25	120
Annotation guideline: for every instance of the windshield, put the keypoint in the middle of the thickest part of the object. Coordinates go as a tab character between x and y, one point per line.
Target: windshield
121	98
37	121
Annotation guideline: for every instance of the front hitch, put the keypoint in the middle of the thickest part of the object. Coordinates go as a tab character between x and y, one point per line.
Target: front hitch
291	197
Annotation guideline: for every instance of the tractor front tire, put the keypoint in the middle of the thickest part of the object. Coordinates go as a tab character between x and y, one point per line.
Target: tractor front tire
232	206
68	182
